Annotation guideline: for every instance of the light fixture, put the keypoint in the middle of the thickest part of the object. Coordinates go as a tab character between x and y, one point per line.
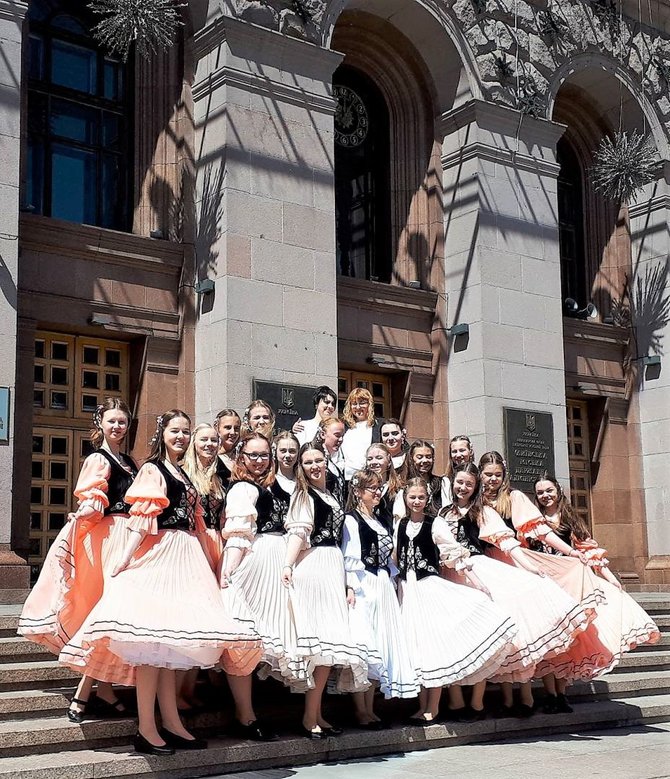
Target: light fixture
158	234
205	287
100	319
414	284
572	309
651	359
460	329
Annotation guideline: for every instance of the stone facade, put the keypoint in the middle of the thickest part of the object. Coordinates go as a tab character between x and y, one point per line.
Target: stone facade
235	179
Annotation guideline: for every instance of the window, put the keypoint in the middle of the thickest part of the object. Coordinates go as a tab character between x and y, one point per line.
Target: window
362	187
378	385
571	225
79	128
579	458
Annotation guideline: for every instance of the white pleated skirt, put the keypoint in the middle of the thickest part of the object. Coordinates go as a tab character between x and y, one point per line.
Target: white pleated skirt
455	634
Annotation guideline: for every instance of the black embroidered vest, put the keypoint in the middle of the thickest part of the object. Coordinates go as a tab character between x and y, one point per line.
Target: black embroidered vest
280	503
419	554
180	514
336	485
118	483
537	545
328	522
223	472
212	508
384	510
375	553
467	535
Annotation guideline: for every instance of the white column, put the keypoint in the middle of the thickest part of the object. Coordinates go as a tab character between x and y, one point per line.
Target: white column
265	200
503	272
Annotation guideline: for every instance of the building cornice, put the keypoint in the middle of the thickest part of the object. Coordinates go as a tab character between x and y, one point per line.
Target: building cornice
13	10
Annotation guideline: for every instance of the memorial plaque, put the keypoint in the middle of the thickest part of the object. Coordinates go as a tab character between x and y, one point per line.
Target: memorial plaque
529	441
289	401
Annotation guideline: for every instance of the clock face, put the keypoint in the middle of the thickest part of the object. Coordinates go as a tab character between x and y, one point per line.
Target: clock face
351	117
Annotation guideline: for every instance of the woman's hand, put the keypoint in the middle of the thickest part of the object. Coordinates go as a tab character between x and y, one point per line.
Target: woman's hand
287	575
298	426
579	555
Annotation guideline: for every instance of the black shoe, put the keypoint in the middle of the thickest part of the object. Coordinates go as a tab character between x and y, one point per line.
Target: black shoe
523	711
313	734
550	704
507	711
563	705
374	725
77	716
255	731
179	742
102	708
332	731
455	715
147	748
474	715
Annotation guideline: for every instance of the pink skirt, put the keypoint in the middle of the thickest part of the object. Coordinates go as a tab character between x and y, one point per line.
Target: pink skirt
164	610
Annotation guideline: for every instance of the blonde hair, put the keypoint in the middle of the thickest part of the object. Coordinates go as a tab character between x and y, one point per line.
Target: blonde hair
97	437
360	393
266	429
204	478
503	501
393	481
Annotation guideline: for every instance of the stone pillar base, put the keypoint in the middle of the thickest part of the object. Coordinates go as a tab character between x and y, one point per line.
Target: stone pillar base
14	576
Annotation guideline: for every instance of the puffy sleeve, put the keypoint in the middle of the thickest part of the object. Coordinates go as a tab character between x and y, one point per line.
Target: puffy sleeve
527	517
445	492
91	489
596	556
494	531
148	498
452	554
351	549
399	508
300	518
239	529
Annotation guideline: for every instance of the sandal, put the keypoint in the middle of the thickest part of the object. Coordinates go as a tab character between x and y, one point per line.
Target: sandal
77	716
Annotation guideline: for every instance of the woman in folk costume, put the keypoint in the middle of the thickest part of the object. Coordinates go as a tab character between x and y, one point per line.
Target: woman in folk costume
228	425
161	610
621	619
83	554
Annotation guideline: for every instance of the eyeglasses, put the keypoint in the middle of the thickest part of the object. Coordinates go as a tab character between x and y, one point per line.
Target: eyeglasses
372	489
256	457
358	403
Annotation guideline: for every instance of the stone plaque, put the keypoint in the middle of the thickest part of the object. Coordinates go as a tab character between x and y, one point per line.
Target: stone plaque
289	401
529	441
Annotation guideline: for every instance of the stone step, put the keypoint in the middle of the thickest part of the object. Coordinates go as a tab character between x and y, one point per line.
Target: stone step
651	660
9	620
225	754
23	704
623	684
15	649
653	602
662	643
35	675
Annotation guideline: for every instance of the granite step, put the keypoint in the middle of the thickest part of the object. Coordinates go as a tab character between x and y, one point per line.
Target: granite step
653	602
651	660
35	675
15	649
228	755
661	644
24	704
623	684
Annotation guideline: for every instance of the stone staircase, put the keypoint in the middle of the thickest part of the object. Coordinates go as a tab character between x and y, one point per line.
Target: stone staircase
37	742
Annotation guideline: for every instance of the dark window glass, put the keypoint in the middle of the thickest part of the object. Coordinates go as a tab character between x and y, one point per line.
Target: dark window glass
58	445
38	398
57	496
35	520
91	355
39	348
34	547
112	382
58	471
38	444
36	495
90	379
89	402
79	158
571	224
362	186
56	520
58	375
58	351
59	401
86	447
37	469
112	358
38	371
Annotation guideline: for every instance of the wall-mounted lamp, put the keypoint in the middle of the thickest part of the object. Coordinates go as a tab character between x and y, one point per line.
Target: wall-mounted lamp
205	287
459	329
651	359
572	309
158	234
102	320
414	284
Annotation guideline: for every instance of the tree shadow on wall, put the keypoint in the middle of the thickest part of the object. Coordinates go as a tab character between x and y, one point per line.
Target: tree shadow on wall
209	213
645	308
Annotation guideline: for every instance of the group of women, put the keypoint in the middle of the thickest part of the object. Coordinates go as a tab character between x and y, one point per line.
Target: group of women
331	556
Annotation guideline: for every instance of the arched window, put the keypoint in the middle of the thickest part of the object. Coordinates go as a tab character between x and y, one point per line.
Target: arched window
79	121
571	225
362	188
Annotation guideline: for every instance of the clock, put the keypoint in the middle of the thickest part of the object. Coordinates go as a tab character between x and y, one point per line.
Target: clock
351	117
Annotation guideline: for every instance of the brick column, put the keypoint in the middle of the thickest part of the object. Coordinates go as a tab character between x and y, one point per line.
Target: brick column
503	272
266	213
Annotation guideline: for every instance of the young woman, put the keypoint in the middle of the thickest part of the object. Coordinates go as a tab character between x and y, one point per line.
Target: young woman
83	554
456	635
200	465
259	417
161	610
591	652
461	452
330	435
367	547
392	434
420	462
314	573
325	406
363	430
227	424
546	616
378	459
251	572
621	619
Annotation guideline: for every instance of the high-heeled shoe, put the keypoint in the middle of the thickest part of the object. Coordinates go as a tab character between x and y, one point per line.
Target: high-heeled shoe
103	708
179	742
315	733
147	748
332	730
76	716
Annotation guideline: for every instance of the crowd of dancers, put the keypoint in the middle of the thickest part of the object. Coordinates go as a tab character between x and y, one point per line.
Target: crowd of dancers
327	556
